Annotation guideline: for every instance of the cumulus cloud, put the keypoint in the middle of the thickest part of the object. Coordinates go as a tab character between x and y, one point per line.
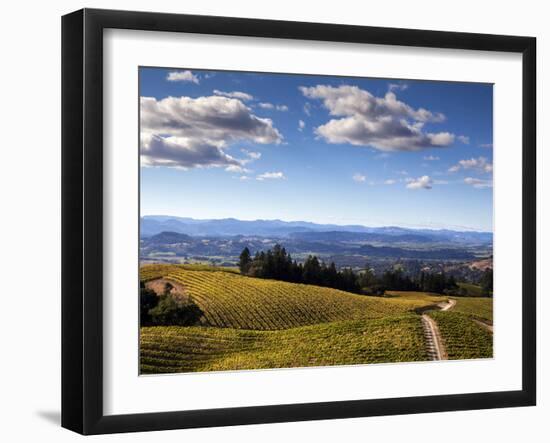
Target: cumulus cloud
301	125
480	164
384	123
187	132
251	154
234	94
424	182
390	181
182	76
359	178
486	145
478	183
307	109
464	139
181	152
431	158
398	86
271	176
266	105
238	169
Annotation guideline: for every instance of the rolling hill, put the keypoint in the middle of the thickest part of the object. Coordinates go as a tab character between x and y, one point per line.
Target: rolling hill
251	323
168	349
230	300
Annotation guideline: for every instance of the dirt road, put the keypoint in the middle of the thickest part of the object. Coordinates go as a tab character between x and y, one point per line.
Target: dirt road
434	342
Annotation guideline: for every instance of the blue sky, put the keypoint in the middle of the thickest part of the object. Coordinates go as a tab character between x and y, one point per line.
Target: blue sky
341	150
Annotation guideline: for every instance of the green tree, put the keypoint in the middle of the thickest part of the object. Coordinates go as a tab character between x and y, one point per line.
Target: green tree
147	301
487	282
312	271
245	261
171	311
367	278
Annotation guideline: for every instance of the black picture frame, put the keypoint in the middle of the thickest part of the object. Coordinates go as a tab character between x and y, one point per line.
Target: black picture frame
82	219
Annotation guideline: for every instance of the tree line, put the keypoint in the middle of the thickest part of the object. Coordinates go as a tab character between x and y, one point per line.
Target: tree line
277	264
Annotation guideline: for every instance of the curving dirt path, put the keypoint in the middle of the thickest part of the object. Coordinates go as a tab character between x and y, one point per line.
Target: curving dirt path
483	324
447	306
435	347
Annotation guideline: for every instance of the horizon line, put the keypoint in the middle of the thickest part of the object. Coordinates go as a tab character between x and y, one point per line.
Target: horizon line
404	226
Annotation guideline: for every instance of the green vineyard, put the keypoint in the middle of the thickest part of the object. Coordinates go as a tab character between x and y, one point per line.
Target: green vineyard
251	323
230	300
477	307
188	349
463	338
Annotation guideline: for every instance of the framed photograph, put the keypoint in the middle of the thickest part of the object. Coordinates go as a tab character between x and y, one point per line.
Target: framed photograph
269	221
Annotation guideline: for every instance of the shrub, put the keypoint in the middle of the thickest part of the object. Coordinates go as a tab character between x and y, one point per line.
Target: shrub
172	311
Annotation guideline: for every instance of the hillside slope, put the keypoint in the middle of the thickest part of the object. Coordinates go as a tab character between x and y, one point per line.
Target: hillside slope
230	300
168	349
463	338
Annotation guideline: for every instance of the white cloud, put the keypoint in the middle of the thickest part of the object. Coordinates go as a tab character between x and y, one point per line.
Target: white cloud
234	94
301	125
185	132
480	164
359	178
431	158
181	152
390	181
478	183
464	139
237	168
486	145
307	109
397	86
441	139
182	76
424	182
384	123
251	154
265	105
271	176
244	177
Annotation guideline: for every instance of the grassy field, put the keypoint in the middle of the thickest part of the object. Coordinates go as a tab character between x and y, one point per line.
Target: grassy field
480	308
230	300
463	338
168	349
471	289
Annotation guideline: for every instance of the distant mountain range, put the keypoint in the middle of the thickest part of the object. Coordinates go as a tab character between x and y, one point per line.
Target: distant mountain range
152	225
